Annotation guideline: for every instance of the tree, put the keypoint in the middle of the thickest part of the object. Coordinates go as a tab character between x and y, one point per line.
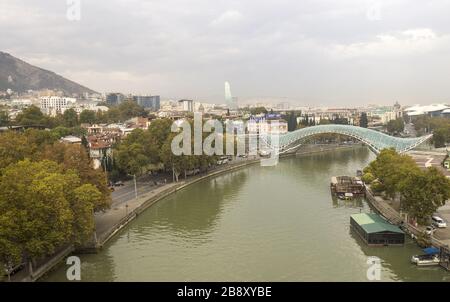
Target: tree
170	160
441	137
86	198
258	110
131	158
340	120
39	138
60	131
14	147
113	115
368	177
43	207
70	118
395	126
35	213
391	169
129	109
136	152
363	122
423	193
31	116
159	131
88	117
4	119
75	158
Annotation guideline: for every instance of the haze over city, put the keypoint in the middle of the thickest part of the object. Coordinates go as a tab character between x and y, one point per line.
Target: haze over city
316	53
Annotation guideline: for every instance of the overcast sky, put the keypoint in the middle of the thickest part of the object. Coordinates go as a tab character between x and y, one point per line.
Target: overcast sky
318	52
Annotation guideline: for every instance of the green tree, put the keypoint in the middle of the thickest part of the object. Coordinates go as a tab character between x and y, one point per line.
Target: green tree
258	110
368	178
86	198
75	158
35	215
441	136
4	119
423	193
88	117
129	109
159	130
39	138
113	115
173	162
60	131
43	207
31	116
395	126
14	147
136	152
391	169
70	118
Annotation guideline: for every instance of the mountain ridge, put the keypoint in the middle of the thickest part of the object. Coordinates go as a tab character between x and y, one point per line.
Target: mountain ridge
20	76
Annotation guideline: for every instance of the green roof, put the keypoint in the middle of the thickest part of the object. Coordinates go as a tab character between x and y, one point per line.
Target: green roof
373	223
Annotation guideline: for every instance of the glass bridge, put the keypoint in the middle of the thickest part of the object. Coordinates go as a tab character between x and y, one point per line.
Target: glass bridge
376	141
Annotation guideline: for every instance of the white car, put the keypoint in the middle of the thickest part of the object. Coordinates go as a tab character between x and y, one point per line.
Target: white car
429	230
438	222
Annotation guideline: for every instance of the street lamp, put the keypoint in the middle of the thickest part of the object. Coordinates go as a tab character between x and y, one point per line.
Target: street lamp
135	194
135	185
95	229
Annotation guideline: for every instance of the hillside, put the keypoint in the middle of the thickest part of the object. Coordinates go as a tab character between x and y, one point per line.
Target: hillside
20	76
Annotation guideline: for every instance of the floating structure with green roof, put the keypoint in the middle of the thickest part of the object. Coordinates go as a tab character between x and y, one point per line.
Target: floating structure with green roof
374	230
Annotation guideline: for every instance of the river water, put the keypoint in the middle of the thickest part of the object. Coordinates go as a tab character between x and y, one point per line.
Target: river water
257	224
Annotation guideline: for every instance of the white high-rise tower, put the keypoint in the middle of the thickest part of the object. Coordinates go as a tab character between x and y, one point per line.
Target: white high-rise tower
229	99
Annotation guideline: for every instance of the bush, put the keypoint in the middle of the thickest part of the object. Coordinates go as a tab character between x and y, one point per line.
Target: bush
377	187
368	178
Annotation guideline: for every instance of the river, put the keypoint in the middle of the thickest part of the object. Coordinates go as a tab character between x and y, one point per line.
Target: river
256	224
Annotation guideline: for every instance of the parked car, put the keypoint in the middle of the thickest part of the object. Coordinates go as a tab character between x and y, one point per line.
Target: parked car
438	222
429	230
12	270
119	183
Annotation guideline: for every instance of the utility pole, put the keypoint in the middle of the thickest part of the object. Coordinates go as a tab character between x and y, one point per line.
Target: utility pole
95	229
135	186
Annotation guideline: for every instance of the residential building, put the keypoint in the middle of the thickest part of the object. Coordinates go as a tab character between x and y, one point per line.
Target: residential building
53	105
114	98
148	102
70	139
186	105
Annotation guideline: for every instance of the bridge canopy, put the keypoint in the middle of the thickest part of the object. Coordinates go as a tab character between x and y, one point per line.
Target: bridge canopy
377	141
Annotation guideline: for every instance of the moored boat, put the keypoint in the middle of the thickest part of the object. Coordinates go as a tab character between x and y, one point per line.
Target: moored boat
431	257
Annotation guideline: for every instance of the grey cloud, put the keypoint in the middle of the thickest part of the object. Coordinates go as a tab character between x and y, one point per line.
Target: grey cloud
303	50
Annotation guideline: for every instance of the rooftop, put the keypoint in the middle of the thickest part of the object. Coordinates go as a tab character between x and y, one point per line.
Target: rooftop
373	223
